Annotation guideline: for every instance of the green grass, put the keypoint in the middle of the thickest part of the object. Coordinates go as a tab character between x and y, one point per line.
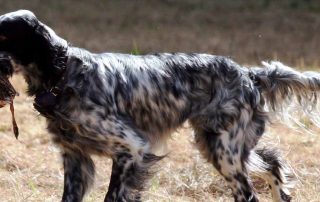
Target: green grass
135	50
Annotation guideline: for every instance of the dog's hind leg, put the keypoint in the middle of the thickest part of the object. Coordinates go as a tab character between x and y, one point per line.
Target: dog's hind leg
226	138
226	150
267	164
78	174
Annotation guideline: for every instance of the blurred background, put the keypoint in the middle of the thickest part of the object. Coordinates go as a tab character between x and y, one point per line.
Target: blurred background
248	31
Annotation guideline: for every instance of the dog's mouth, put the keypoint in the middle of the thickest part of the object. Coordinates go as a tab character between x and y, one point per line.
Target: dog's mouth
7	91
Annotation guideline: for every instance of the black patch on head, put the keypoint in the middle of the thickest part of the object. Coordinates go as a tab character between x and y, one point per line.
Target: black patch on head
29	41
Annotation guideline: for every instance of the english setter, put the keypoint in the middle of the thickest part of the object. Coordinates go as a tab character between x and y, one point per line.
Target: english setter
124	106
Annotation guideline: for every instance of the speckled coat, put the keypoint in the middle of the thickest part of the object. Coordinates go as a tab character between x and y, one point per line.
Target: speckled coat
125	106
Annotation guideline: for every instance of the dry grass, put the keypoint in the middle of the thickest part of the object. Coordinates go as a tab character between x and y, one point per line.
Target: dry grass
31	169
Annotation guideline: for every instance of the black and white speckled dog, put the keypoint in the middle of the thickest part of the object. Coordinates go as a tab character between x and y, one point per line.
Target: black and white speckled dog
125	106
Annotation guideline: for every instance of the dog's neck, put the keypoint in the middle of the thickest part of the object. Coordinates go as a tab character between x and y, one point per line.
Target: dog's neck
43	78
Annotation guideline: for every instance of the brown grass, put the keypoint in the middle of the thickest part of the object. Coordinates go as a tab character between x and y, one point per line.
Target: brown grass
31	169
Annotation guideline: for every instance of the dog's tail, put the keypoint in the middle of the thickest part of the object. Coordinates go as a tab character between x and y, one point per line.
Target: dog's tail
286	90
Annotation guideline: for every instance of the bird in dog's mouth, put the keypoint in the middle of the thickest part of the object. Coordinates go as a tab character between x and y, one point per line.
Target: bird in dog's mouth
7	91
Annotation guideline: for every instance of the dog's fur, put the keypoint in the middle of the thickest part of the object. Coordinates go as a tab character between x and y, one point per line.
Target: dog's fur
125	106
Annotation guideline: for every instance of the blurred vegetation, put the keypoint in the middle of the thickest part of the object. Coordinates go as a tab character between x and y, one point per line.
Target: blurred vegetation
247	30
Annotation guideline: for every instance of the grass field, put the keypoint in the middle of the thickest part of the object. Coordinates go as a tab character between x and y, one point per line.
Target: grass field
31	168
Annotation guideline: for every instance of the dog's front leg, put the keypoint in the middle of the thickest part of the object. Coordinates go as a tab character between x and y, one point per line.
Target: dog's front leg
129	176
130	151
78	175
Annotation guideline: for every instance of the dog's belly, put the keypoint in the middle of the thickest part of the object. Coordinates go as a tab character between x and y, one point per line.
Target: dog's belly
81	136
160	117
89	127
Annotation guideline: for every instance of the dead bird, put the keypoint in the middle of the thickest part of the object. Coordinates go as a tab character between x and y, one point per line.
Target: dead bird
7	91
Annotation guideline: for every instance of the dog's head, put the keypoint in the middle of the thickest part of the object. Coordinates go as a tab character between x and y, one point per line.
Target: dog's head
18	37
28	43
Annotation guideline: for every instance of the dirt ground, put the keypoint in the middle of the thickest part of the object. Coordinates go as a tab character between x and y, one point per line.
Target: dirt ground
31	168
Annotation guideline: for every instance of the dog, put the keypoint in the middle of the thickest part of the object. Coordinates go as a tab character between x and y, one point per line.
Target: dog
125	106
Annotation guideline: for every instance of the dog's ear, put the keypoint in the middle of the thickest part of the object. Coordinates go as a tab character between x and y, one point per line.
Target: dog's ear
17	25
14	27
26	38
31	43
18	35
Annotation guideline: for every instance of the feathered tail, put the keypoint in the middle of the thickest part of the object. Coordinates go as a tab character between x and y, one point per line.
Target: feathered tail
288	91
